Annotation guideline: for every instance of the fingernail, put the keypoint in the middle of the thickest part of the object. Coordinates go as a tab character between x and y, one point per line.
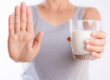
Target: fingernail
88	47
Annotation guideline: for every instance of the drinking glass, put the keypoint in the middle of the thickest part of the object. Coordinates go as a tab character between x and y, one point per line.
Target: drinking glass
80	31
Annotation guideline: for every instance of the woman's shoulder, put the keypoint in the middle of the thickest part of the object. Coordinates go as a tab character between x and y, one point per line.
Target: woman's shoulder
91	13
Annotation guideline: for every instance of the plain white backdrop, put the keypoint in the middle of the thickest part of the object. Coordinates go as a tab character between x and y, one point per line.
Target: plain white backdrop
9	70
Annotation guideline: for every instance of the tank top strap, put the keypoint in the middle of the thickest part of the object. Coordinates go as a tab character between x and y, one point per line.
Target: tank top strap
79	13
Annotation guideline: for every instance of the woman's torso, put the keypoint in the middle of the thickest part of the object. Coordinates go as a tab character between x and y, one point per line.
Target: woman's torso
55	59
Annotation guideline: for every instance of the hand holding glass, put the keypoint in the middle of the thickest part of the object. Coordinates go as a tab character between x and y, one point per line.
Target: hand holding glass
80	31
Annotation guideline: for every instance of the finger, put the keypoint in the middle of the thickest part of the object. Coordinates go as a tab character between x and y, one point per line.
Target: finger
96	55
99	35
95	48
17	19
29	20
37	41
11	26
69	39
96	42
23	16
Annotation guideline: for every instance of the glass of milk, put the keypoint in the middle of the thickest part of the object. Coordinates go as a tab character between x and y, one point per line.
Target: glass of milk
80	31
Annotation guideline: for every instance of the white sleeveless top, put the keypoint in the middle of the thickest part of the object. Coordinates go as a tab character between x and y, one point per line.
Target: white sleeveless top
55	59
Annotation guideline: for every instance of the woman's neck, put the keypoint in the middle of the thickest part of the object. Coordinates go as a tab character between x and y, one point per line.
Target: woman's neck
57	4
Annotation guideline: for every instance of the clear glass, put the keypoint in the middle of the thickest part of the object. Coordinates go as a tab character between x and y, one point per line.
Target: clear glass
80	31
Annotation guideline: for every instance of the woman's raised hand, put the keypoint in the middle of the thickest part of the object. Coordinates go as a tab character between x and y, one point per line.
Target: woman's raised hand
23	45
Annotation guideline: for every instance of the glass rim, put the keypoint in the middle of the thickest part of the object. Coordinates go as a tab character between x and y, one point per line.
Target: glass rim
98	22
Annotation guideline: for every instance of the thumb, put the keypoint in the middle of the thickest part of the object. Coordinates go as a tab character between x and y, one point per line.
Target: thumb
37	40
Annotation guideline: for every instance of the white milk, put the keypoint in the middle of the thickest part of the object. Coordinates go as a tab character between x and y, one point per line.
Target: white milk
78	44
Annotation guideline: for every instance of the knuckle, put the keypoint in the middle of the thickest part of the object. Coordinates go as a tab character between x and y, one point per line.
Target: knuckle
101	50
93	41
23	20
17	24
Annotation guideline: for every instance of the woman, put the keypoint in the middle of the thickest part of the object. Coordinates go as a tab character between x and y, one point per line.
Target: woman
53	59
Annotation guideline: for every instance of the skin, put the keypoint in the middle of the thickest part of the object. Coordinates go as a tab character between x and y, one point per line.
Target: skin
24	46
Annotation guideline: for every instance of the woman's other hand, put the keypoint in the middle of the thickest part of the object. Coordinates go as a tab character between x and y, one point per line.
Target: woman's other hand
95	44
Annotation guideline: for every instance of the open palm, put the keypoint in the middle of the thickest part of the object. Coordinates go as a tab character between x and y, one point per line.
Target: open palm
23	45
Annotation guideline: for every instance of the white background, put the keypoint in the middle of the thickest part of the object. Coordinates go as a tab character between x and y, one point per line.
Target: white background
9	70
